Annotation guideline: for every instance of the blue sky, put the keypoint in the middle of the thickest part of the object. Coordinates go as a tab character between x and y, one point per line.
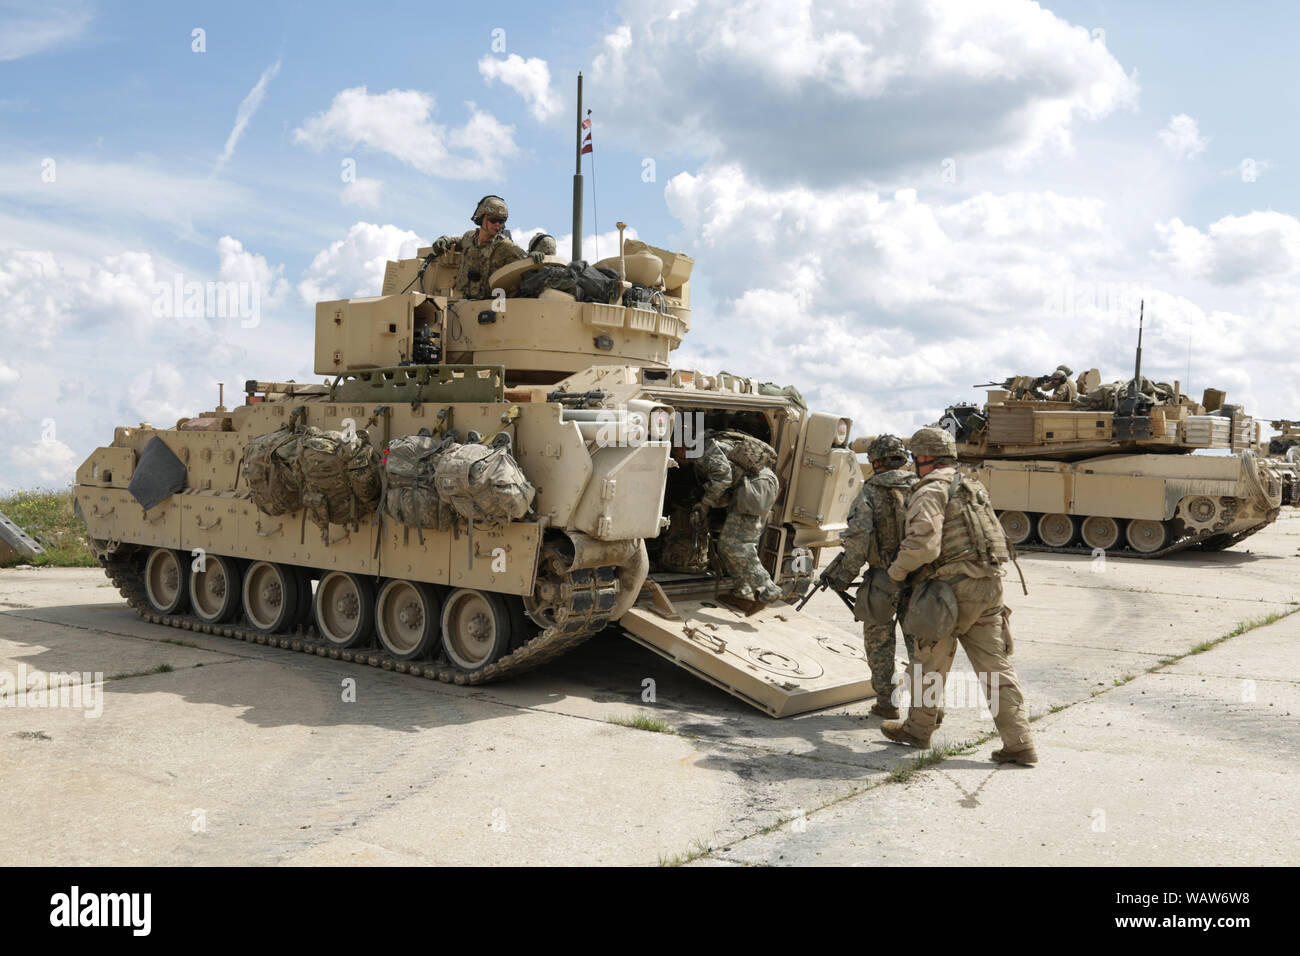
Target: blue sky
887	201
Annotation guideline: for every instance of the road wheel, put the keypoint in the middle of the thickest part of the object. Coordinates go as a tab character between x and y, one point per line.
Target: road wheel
407	616
166	582
1017	526
1147	536
345	609
1100	532
1057	530
271	596
475	628
214	591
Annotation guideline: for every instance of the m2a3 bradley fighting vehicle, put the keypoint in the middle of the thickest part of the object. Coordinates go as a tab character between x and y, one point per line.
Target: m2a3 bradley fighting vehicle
1115	470
472	491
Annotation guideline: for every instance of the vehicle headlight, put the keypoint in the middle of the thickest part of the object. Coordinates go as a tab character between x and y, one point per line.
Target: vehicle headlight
661	424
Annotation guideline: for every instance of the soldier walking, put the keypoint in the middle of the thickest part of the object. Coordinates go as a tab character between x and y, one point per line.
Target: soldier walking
874	532
954	551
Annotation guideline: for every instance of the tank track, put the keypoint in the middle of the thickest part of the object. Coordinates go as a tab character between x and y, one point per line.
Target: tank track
1182	544
590	597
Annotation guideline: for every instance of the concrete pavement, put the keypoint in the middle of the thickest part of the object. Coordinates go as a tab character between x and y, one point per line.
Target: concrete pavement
209	750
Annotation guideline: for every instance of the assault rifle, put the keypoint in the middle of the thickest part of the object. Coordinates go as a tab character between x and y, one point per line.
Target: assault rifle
824	582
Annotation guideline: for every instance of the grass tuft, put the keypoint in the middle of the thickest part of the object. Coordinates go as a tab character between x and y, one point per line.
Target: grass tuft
696	850
642	722
48	517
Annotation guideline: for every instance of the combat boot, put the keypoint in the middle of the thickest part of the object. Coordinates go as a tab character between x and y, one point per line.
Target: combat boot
896	732
767	593
1028	756
884	710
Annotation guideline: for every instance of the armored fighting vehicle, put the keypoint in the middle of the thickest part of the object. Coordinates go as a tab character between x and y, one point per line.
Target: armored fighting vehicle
472	489
1119	469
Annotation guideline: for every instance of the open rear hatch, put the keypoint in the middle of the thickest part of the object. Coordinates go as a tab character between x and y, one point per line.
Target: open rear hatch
779	660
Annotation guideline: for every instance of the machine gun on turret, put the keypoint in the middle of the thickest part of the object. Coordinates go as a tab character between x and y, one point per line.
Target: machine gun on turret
1019	385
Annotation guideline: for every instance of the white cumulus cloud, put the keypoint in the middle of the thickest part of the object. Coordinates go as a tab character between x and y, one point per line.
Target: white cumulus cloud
839	90
354	266
530	78
47	463
1257	246
400	123
1182	138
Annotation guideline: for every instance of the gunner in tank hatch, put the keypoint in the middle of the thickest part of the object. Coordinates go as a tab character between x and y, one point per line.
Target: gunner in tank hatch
544	243
483	250
1063	388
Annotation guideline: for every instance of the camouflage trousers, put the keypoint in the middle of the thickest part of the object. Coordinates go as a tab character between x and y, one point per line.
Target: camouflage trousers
738	549
982	632
880	644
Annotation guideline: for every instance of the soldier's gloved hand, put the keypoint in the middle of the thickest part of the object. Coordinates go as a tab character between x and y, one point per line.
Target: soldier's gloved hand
537	257
441	245
894	589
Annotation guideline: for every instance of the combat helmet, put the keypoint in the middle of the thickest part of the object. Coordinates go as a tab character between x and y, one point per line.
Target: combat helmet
1063	370
885	447
493	206
543	243
933	442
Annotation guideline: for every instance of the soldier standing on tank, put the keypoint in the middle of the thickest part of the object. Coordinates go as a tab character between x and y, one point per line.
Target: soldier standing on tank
953	551
874	532
734	477
483	250
1063	388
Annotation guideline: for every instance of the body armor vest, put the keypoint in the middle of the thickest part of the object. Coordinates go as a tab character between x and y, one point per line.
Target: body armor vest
971	529
889	513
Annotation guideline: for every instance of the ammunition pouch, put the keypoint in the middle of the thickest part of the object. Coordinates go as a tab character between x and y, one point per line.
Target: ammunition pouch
932	612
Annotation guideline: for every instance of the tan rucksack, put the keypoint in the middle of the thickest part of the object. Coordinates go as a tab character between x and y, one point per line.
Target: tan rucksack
484	483
340	478
412	495
272	471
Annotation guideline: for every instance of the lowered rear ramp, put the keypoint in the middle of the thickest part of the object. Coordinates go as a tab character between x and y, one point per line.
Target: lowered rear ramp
779	660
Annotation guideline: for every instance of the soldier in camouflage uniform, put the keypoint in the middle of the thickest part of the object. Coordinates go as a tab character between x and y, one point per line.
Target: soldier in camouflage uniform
875	529
1063	388
733	472
544	243
483	250
954	540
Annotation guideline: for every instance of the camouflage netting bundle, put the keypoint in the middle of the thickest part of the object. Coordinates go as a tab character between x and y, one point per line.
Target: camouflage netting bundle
412	498
1107	397
272	472
484	483
340	478
584	282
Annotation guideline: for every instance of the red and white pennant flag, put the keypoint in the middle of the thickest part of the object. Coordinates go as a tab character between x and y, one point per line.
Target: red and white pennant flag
586	141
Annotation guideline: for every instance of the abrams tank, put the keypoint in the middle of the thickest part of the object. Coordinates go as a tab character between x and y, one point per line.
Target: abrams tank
471	490
1118	470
